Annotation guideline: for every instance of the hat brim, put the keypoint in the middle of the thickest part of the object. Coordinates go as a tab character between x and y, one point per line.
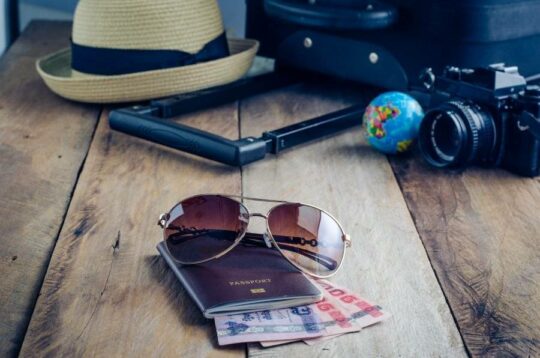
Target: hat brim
55	70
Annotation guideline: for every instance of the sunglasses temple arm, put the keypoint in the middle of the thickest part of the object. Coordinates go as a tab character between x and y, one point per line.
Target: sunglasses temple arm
326	261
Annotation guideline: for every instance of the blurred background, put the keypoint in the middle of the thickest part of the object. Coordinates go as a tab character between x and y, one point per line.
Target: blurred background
15	15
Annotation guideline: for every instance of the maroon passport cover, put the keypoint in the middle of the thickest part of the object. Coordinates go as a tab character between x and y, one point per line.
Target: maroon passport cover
245	279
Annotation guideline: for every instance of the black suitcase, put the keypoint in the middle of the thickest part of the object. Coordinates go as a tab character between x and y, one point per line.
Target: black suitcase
388	44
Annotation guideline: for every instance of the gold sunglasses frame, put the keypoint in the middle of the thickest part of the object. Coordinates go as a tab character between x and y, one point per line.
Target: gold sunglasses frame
163	218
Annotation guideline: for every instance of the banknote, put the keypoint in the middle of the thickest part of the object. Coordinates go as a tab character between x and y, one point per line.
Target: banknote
267	344
361	312
270	325
332	317
339	312
336	319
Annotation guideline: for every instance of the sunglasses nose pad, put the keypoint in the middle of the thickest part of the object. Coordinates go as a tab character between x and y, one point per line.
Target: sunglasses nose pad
267	240
244	219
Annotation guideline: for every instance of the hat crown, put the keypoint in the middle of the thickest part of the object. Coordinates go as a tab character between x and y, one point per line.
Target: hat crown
185	25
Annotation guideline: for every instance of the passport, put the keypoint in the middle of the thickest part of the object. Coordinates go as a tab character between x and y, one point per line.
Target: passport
245	279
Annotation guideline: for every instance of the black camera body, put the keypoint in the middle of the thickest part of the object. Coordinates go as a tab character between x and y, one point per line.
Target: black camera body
484	116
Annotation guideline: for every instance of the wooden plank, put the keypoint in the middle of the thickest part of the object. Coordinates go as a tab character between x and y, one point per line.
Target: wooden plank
481	230
43	142
107	292
387	262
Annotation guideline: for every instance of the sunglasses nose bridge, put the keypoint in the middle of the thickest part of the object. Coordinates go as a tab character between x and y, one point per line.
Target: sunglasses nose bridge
258	215
259	226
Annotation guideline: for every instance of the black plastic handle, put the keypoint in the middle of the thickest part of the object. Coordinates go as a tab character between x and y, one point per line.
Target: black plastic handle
187	139
143	122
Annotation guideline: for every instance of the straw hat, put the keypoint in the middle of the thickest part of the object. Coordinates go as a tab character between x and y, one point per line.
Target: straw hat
130	50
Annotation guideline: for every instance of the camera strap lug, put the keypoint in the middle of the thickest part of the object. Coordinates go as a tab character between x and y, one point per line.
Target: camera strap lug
527	121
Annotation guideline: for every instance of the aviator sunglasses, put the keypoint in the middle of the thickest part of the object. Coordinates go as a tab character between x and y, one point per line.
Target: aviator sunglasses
205	227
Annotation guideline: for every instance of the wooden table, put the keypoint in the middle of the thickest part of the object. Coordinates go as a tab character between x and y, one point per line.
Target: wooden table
454	257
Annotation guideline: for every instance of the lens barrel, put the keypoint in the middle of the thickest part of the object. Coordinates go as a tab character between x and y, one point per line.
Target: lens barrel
457	134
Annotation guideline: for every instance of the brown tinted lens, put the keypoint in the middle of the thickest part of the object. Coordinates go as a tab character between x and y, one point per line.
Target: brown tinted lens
202	227
307	236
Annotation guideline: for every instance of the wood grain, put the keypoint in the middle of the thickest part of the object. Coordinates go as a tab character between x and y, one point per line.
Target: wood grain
107	292
43	142
481	229
387	263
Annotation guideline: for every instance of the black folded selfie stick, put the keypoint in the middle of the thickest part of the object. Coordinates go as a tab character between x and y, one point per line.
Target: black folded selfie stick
150	122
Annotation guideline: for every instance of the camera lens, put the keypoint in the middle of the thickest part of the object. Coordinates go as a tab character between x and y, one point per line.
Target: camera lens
446	139
456	134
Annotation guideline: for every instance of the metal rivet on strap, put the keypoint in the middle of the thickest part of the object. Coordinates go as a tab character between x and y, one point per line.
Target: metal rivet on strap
308	42
373	57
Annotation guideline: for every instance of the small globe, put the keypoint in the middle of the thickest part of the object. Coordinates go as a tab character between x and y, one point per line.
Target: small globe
391	122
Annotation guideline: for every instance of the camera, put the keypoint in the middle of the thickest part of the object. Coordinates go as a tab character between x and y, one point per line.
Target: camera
483	116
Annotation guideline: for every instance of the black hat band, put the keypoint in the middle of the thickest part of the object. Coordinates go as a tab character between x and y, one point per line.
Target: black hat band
108	61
